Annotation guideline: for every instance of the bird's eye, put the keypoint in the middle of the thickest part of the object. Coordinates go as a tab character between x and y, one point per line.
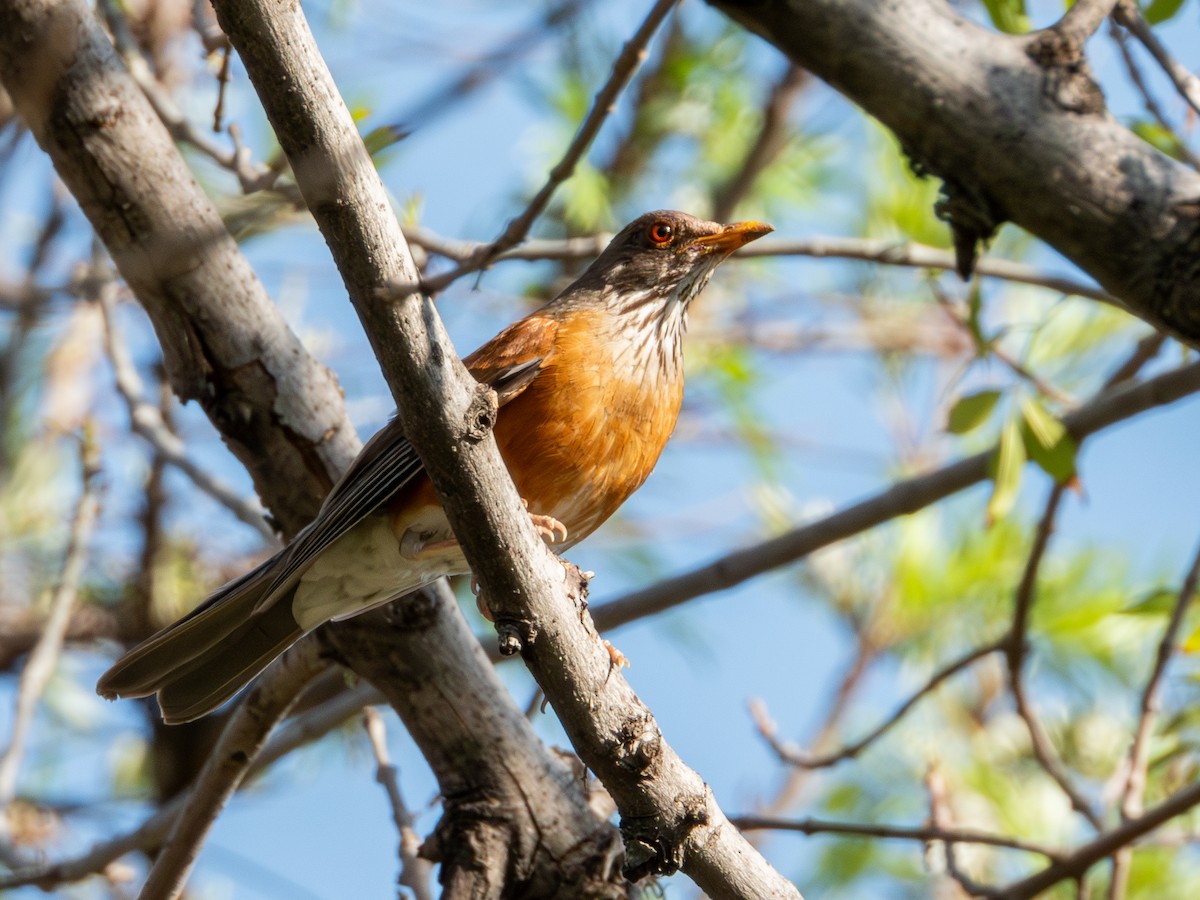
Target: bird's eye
661	233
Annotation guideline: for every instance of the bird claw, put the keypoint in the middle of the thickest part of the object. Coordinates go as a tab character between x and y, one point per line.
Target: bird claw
548	527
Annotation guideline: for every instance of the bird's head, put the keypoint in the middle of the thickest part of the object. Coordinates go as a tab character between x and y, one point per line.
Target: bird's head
661	260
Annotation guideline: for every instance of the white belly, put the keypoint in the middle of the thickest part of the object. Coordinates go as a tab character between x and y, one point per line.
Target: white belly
363	569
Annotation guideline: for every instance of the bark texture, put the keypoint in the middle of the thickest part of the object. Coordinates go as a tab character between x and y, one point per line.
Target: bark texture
1017	131
516	820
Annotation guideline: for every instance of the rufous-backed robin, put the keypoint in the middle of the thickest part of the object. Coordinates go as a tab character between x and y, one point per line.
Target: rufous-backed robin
589	388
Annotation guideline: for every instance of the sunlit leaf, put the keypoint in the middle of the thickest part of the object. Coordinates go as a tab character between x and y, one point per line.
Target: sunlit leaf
1047	442
1007	462
379	139
1161	139
1008	15
1160	10
971	411
1156	602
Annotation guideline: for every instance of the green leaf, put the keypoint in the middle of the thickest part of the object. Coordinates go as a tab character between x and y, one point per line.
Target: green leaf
1008	15
1155	603
1006	471
1047	442
1159	138
1160	10
971	411
378	139
1192	644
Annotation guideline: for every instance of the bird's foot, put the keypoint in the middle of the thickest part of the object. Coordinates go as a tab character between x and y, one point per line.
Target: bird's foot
548	527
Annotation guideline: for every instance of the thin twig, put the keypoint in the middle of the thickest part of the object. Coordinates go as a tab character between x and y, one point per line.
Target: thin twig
795	757
147	421
627	62
772	137
1139	752
40	666
251	177
300	731
1104	845
1144	350
959	317
940	816
1188	84
1137	761
905	255
1121	37
1081	20
922	833
415	872
226	768
1023	601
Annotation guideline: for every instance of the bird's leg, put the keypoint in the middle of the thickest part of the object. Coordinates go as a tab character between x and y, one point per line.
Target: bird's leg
548	527
416	546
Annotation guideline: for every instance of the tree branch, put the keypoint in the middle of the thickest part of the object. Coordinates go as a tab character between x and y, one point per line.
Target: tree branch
795	757
900	499
1107	843
1016	133
264	706
922	833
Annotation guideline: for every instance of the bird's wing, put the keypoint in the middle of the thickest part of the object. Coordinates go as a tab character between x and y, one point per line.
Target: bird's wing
388	461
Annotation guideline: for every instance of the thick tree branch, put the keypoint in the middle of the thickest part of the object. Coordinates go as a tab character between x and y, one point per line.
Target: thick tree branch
225	344
1017	131
447	417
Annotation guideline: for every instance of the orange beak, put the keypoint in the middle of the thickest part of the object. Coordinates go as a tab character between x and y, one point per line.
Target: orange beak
731	237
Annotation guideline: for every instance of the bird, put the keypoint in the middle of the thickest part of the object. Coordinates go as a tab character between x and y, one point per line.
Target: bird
589	388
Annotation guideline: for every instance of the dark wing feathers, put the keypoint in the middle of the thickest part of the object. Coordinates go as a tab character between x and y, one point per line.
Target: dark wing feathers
385	465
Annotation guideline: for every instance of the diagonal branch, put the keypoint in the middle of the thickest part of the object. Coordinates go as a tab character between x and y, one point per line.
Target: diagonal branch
267	702
626	63
794	757
900	499
1130	16
1103	846
147	420
1023	601
447	417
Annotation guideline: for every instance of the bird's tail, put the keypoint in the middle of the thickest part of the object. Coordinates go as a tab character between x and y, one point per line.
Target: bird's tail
205	658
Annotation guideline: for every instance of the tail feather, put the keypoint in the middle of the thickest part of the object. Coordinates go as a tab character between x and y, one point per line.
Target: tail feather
206	657
204	683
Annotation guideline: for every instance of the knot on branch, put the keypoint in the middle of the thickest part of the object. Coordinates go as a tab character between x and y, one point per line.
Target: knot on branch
639	744
1068	80
654	846
481	414
417	611
514	635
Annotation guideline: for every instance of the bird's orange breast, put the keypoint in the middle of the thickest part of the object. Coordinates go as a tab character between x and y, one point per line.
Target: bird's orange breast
587	430
590	427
